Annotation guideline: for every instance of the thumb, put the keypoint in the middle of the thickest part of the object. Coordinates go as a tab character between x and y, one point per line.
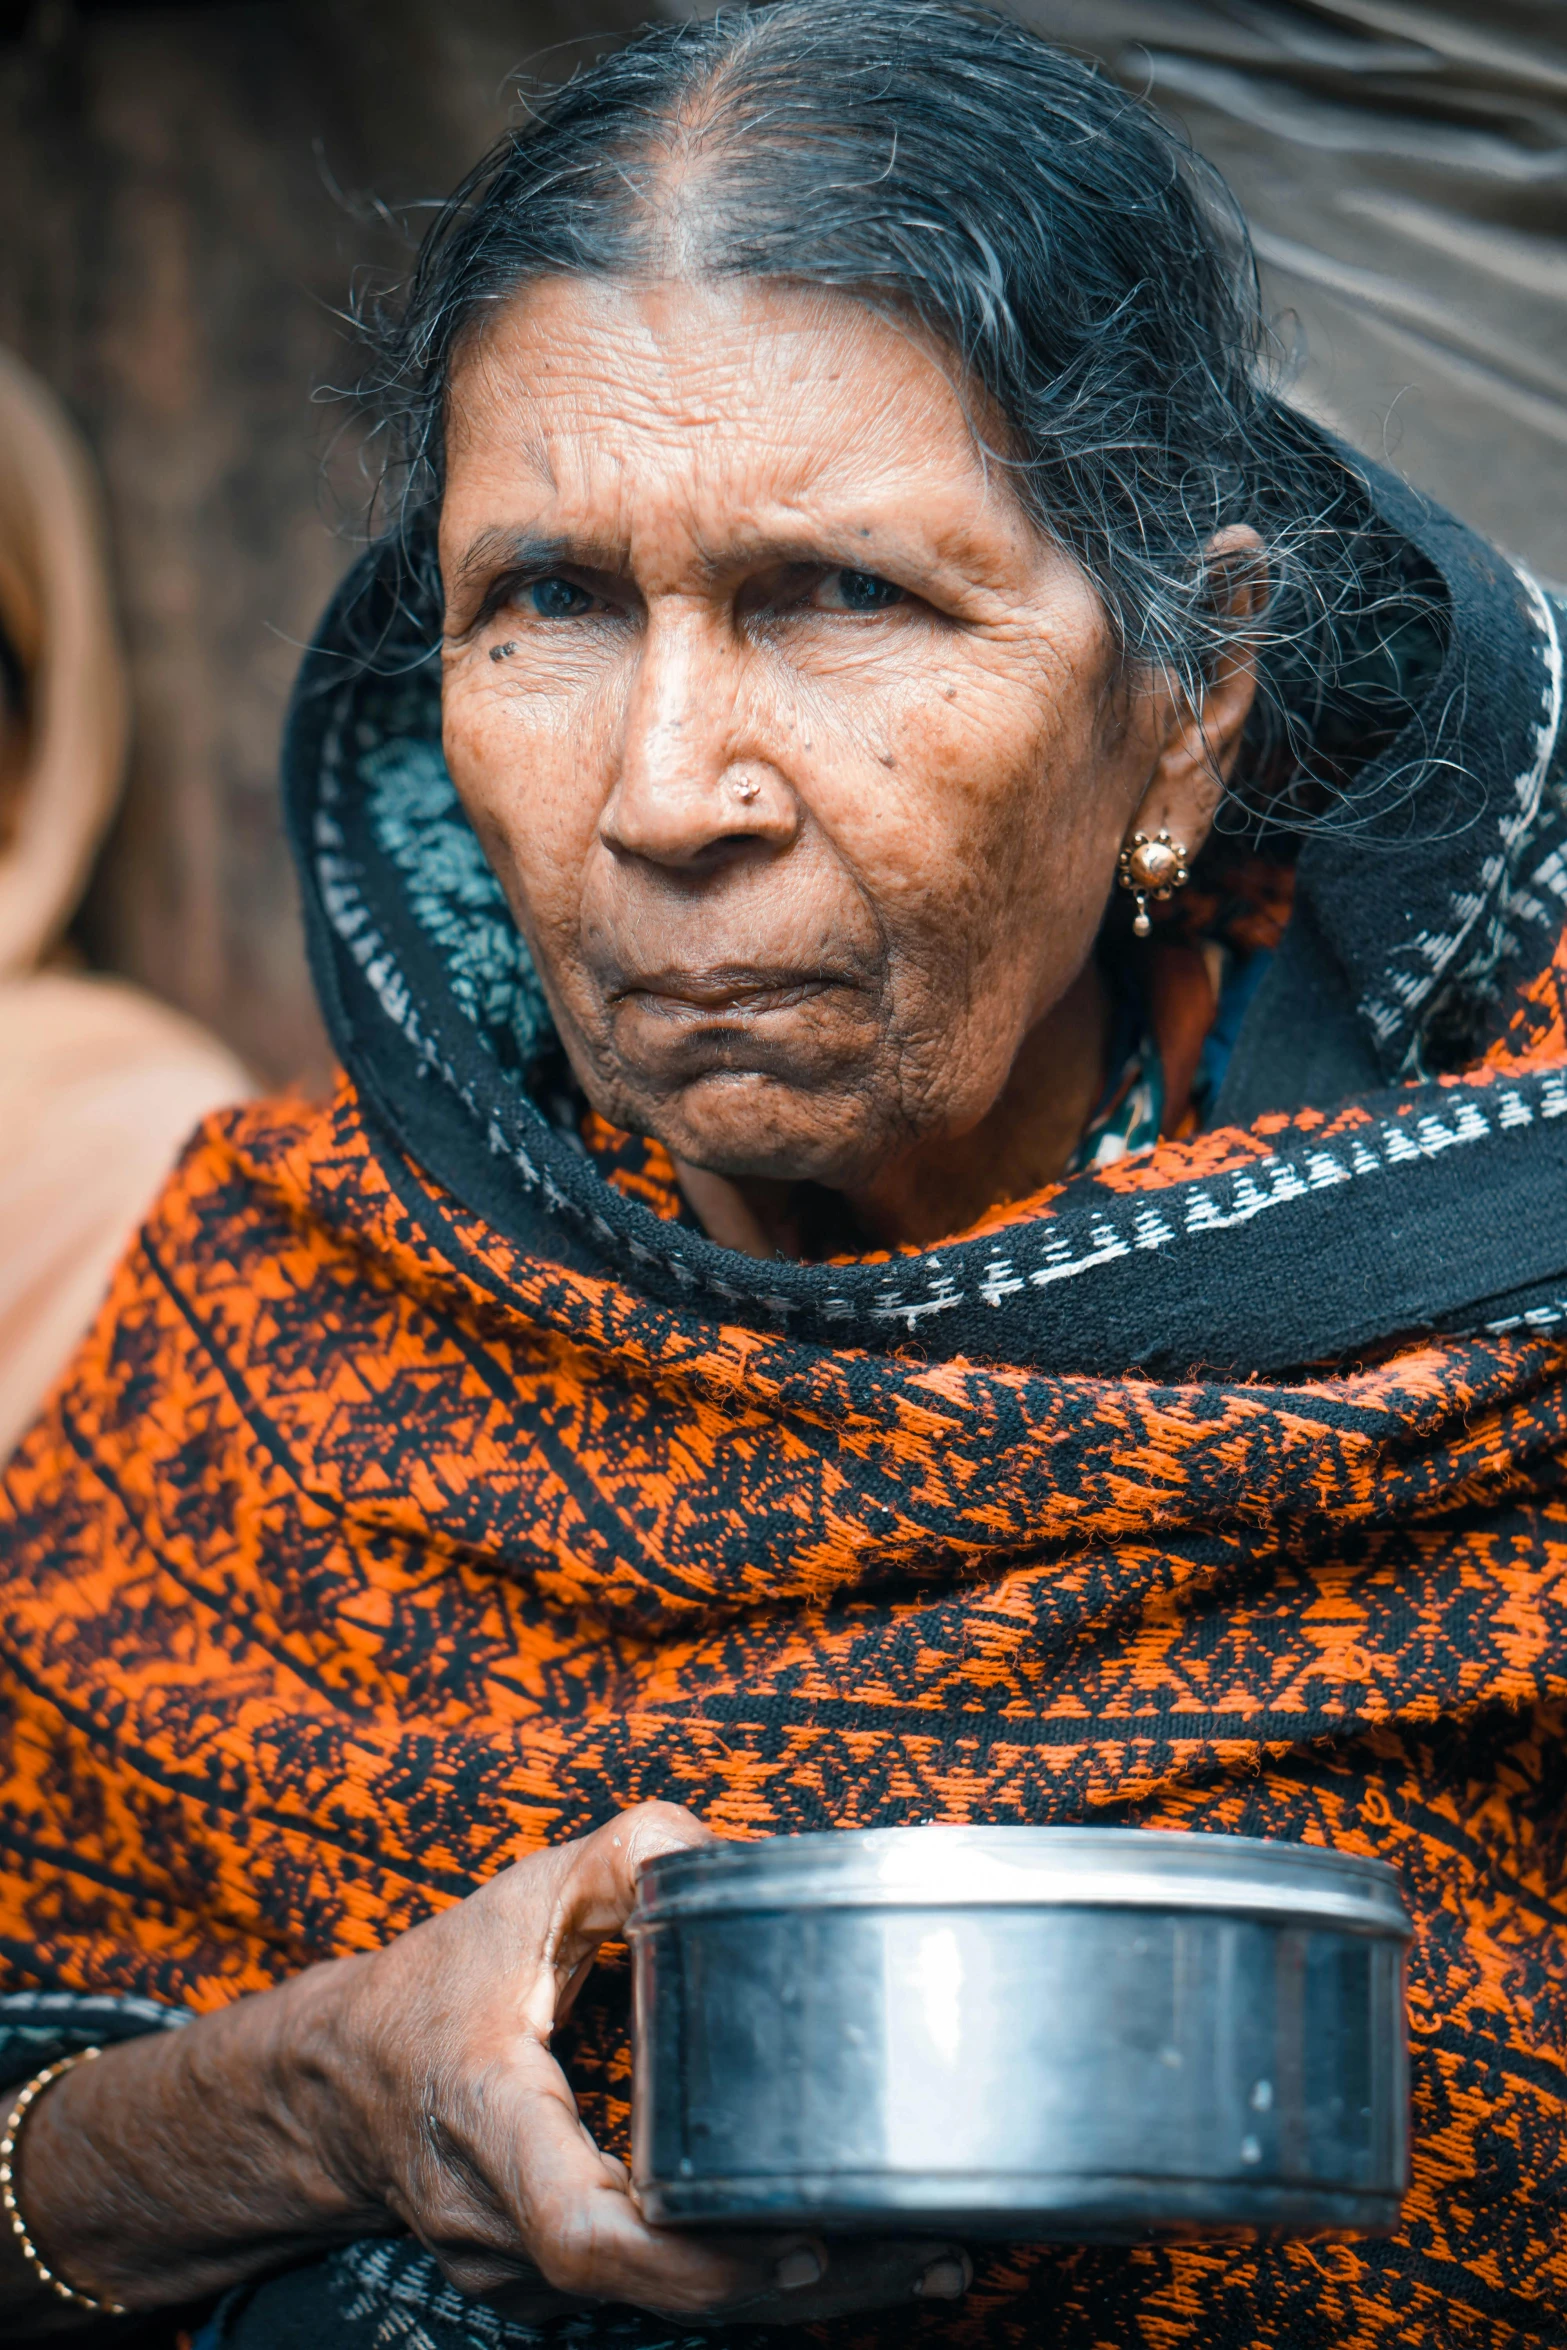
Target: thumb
598	1888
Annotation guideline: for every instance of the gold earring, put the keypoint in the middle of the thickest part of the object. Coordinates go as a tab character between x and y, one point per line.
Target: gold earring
1151	867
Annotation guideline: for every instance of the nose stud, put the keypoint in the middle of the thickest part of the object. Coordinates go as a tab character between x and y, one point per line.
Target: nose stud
744	787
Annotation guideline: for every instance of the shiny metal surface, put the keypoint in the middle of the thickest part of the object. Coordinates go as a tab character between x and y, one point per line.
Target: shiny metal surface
1022	2032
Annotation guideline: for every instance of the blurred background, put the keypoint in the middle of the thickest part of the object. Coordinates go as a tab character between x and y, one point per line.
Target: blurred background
188	192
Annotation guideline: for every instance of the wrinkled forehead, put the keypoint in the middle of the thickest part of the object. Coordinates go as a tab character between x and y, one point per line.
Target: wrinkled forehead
712	407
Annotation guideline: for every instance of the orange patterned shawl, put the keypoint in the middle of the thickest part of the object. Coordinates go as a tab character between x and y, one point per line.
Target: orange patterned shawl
380	1534
347	1566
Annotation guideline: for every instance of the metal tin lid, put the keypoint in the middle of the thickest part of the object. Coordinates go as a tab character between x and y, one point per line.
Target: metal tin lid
1048	1868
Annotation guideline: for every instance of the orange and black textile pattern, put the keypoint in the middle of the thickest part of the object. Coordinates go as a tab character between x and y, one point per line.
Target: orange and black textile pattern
428	1489
359	1554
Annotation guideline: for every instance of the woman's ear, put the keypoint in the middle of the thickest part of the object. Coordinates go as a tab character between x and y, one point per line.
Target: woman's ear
1201	743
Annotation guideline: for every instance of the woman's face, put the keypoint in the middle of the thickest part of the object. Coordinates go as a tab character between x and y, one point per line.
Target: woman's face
794	745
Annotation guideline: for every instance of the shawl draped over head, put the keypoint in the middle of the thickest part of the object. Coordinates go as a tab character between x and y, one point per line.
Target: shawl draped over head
427	1489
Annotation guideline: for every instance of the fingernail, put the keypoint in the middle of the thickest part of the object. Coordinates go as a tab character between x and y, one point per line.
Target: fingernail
947	2279
800	2267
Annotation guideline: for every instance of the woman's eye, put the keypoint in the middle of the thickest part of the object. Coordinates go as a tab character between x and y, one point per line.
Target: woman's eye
557	599
861	591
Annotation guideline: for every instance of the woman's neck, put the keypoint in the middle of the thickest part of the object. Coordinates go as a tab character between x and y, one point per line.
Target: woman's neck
1024	1142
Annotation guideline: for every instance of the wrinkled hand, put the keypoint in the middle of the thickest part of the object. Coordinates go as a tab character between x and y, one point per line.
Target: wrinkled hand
445	2107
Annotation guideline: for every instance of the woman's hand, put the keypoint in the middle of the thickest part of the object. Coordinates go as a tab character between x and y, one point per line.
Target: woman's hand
415	2089
454	2115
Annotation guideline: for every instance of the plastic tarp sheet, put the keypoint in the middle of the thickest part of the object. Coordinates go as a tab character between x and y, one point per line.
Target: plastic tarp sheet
1404	170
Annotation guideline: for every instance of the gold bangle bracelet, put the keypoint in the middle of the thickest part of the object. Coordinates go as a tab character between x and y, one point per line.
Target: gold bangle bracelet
8	2146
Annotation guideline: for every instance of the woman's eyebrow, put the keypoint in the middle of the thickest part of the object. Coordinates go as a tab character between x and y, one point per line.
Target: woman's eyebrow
843	546
494	551
822	546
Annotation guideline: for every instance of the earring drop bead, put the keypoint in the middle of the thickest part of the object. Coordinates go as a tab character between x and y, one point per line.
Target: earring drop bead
1151	866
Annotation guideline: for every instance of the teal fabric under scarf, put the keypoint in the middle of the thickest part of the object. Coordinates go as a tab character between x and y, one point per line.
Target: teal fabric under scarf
453	896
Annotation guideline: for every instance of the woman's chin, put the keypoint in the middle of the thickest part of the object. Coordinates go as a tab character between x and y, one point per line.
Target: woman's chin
744	1124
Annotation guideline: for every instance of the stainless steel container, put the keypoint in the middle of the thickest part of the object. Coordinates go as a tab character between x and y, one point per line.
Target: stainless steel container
1020	2032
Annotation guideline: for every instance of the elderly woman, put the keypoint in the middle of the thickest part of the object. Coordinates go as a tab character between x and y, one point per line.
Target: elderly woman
946	1201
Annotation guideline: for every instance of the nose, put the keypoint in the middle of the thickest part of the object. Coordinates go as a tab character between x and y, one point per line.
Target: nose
695	784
